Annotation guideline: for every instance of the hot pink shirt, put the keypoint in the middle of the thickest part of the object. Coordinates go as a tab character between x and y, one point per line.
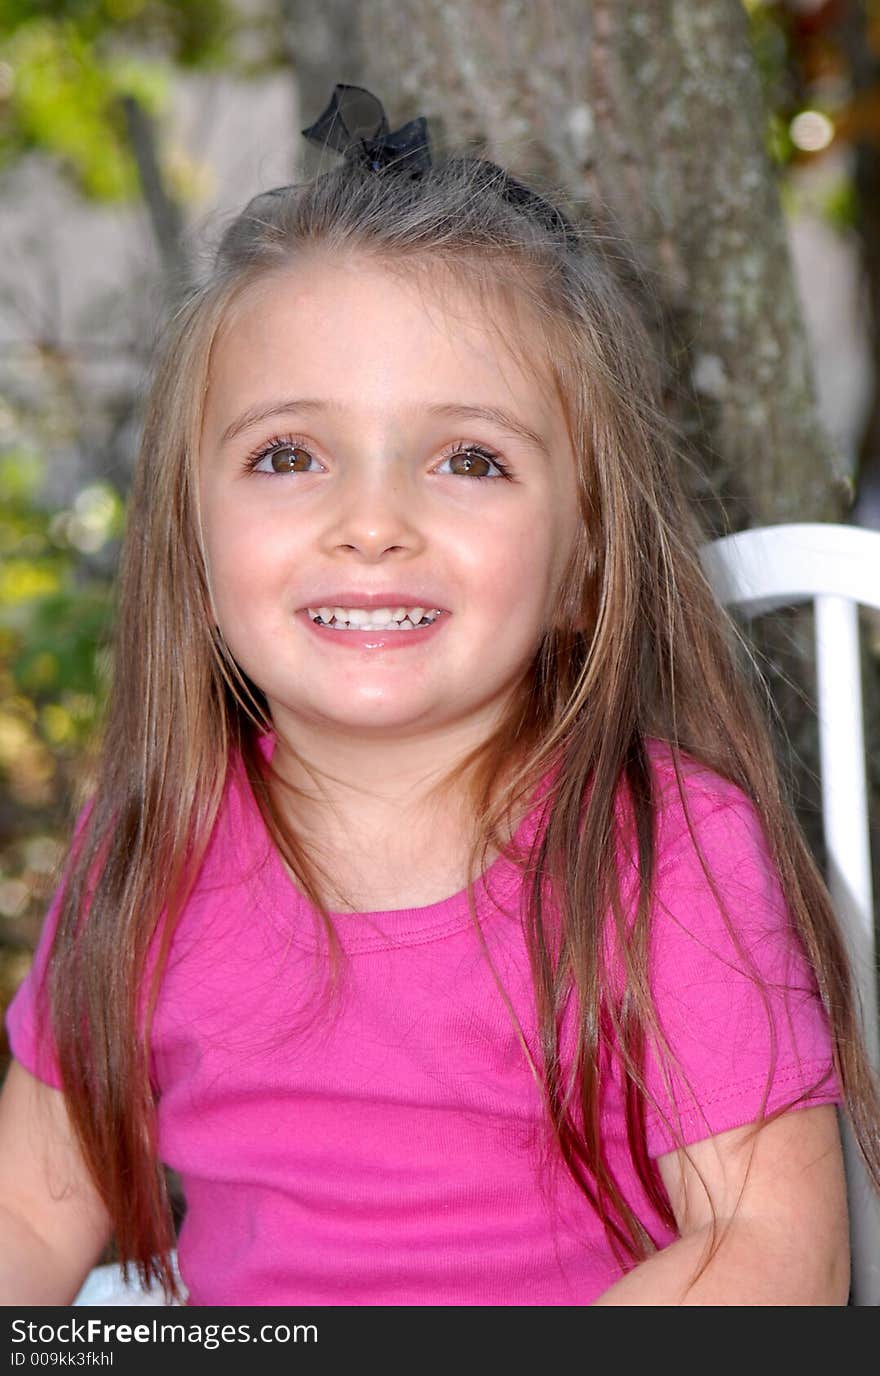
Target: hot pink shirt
395	1153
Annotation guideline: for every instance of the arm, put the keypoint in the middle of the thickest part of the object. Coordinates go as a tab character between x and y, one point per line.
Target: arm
53	1224
788	1242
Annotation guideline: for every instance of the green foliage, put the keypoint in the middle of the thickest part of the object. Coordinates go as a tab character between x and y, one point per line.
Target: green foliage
841	204
770	49
65	65
64	101
185	32
55	616
779	142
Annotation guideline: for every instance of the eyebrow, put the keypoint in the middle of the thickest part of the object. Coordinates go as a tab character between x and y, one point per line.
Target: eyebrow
453	409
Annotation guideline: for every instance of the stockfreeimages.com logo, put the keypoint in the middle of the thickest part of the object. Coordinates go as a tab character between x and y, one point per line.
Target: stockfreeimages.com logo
208	1335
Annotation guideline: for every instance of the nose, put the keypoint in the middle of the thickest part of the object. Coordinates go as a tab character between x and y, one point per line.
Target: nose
375	511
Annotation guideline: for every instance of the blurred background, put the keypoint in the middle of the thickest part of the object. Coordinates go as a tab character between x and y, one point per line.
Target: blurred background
735	142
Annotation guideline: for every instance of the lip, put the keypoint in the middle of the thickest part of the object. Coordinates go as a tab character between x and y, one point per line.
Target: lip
369	600
375	638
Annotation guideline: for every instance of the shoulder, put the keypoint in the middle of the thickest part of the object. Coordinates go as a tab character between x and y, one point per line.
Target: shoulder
716	885
695	803
732	987
704	786
696	810
718	906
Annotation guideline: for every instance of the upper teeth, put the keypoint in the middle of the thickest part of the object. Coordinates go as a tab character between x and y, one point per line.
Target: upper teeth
376	616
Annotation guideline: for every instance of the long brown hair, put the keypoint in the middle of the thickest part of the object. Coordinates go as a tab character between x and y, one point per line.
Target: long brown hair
639	649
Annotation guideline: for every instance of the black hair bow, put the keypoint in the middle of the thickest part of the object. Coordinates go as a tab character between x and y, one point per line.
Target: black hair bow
355	123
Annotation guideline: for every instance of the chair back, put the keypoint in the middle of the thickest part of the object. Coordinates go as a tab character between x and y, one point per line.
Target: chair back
837	568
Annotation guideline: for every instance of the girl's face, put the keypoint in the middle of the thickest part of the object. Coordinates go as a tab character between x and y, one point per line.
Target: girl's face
329	477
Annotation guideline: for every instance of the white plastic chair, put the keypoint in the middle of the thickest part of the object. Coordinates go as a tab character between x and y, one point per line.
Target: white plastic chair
105	1286
835	567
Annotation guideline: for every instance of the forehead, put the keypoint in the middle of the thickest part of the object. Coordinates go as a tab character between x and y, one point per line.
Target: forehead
354	327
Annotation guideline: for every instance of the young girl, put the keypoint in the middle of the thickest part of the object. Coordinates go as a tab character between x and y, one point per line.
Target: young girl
438	917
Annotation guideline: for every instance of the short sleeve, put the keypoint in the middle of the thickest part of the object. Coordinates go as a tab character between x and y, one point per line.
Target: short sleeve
30	1042
30	1039
740	1008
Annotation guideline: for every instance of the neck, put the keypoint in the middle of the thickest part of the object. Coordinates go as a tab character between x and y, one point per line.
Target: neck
370	789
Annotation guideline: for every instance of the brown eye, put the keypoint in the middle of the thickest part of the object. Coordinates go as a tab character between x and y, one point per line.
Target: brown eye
471	463
289	458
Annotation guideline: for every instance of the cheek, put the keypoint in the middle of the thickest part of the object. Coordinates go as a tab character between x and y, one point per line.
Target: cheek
541	545
552	550
239	538
567	525
519	568
239	556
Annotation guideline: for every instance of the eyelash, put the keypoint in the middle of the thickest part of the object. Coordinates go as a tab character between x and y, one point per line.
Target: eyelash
291	442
